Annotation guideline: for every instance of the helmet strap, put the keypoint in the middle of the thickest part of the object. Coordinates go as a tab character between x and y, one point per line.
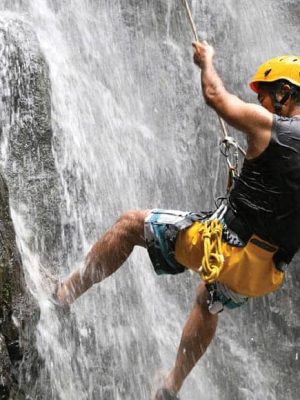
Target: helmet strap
279	104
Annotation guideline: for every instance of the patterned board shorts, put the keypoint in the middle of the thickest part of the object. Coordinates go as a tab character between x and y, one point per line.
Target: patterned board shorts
161	229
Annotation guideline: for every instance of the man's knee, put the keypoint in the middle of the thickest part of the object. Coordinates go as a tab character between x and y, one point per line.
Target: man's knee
211	320
133	219
202	297
133	215
132	225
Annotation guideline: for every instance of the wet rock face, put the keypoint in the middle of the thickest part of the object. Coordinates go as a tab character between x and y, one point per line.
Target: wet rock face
29	182
27	157
13	299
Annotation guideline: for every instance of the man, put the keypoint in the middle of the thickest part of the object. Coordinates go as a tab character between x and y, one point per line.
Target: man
263	206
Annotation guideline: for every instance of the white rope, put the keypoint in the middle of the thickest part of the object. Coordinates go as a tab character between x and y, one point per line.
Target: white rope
223	126
188	10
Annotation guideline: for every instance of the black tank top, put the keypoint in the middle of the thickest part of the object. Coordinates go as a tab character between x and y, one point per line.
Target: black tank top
266	196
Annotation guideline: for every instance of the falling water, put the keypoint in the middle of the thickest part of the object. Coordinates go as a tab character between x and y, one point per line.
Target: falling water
130	130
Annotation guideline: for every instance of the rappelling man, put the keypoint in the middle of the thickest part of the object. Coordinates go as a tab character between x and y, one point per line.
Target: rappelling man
243	248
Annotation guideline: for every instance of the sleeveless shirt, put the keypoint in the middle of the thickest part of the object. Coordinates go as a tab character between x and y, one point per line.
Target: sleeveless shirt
266	195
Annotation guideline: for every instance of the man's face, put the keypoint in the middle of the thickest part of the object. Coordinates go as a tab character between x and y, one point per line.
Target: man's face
265	100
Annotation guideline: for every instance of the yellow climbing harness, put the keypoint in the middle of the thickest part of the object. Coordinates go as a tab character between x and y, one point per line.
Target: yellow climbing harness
213	260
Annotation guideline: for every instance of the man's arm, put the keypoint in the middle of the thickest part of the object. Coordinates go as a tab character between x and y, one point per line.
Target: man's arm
252	119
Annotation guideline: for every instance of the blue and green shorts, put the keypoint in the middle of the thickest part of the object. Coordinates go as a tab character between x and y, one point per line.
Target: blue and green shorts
161	229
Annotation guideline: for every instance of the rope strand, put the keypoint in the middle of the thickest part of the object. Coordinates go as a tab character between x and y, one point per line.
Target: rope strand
188	10
193	25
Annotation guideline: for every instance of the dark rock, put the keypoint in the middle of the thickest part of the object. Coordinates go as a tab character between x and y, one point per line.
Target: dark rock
28	170
14	302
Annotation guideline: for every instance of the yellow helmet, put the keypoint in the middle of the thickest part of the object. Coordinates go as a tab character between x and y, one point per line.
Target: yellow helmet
285	67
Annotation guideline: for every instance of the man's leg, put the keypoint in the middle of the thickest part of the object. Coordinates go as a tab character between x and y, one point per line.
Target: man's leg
197	334
106	256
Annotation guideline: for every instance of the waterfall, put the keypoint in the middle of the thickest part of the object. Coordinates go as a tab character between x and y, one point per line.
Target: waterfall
129	129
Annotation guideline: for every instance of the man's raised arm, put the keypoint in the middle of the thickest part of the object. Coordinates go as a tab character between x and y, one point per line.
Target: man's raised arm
252	119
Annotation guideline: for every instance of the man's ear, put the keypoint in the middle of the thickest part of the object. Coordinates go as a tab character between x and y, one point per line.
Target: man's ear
285	88
284	93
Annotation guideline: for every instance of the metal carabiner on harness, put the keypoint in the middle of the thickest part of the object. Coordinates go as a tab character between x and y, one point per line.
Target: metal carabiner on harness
226	145
214	304
229	148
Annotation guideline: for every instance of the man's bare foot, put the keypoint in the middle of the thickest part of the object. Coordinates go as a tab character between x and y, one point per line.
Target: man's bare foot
52	287
62	295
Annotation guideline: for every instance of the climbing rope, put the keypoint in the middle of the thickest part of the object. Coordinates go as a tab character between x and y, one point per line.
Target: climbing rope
213	260
211	230
189	13
228	143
